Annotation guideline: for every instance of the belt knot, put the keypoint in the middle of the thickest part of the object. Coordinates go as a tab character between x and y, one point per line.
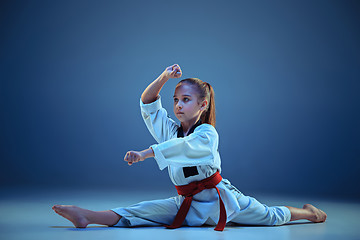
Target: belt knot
193	188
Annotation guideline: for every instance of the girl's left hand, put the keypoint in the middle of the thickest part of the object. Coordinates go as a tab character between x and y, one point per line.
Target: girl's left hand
133	157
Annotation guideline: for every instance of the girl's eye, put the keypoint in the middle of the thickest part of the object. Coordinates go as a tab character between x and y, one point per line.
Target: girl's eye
175	100
186	99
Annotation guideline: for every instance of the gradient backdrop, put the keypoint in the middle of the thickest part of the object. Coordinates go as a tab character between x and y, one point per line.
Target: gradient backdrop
285	74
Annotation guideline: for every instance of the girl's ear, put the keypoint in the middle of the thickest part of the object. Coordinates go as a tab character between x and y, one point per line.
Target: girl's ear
204	104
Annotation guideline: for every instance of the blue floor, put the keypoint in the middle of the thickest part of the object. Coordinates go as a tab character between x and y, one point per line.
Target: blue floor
27	214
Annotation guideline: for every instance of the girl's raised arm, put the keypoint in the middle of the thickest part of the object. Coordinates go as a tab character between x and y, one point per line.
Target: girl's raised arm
152	91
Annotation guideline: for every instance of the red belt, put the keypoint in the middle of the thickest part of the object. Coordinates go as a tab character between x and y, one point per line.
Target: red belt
189	191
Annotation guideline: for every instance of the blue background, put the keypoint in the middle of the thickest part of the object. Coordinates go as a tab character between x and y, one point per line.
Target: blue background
285	74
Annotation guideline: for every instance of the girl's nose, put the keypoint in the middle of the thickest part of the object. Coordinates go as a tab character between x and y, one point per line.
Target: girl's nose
179	106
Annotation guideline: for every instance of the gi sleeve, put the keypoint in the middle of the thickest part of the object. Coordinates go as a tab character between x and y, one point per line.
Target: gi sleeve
161	127
199	148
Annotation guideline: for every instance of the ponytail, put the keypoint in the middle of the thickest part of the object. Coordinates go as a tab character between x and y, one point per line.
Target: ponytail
209	115
205	92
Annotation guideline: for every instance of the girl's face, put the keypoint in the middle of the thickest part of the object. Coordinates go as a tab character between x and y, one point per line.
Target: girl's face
186	106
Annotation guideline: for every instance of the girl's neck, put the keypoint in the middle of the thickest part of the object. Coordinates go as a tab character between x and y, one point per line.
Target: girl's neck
187	125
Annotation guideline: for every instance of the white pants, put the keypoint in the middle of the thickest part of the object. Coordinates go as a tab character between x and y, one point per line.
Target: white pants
162	212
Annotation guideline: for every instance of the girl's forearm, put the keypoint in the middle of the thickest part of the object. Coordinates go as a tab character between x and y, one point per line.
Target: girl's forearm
148	153
152	91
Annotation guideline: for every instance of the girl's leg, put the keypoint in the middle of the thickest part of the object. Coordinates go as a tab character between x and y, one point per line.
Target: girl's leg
308	212
81	217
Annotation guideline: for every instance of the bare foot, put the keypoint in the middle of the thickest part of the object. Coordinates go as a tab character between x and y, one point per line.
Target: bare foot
72	213
317	214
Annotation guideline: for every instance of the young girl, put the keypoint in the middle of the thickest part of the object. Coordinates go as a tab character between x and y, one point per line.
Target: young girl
190	152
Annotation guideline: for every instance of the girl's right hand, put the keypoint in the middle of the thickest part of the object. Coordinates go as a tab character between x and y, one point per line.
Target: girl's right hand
173	71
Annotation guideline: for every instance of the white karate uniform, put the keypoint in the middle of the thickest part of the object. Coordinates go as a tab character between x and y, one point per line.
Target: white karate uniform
198	151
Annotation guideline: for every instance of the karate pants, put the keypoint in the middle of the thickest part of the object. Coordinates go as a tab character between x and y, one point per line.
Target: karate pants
162	212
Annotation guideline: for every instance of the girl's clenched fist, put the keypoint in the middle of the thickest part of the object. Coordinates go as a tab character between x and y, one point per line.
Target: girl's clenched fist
133	157
173	71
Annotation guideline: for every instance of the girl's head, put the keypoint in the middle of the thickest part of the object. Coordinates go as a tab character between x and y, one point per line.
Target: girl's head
194	98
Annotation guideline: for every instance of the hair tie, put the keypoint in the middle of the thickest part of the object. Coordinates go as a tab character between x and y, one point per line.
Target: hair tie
208	84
